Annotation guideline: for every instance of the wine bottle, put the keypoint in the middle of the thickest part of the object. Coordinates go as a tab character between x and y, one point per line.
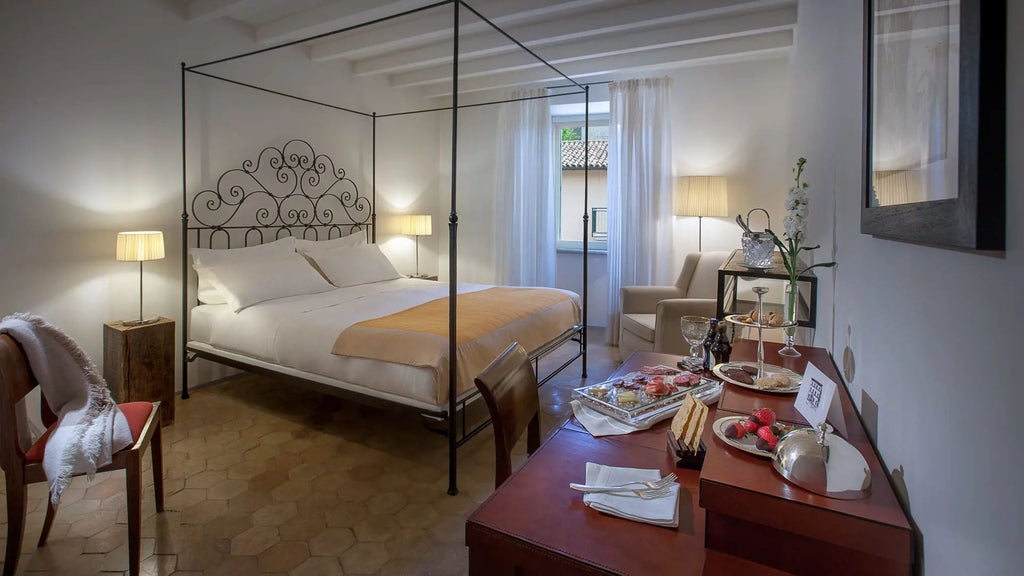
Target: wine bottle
722	348
709	343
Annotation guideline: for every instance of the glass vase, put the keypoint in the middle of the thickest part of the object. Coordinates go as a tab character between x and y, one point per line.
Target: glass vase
790	305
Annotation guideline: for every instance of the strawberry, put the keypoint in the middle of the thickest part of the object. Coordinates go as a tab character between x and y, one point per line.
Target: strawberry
764	416
751	425
765	433
780	429
735	430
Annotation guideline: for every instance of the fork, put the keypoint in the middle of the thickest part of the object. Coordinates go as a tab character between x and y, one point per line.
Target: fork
644	493
649	485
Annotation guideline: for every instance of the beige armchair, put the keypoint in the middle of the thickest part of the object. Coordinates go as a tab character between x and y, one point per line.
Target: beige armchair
650	314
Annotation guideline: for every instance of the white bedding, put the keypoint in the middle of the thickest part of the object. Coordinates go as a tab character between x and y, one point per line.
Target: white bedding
298	332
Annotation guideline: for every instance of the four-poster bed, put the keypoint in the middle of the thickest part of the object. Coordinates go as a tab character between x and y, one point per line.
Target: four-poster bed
295	192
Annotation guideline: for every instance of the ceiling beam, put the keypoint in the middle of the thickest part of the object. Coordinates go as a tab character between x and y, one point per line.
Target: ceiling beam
333	16
600	46
605	22
772	43
436	26
203	10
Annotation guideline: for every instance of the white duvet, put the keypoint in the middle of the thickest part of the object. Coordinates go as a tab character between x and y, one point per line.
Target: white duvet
295	335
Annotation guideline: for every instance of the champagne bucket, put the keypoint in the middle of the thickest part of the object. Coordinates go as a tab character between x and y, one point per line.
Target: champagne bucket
758	247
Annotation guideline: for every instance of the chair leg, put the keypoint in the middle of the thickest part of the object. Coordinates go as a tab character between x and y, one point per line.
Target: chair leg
533	434
51	512
17	497
157	453
133	488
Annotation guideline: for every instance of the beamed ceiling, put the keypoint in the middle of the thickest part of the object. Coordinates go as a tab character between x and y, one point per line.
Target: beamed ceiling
591	40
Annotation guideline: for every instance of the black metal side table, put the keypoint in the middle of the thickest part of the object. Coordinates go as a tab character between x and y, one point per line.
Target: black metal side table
732	273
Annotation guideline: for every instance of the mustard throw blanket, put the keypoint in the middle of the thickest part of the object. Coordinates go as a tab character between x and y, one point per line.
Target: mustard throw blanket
488	321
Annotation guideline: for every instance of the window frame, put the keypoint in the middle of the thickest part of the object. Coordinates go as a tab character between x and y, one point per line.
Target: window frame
557	124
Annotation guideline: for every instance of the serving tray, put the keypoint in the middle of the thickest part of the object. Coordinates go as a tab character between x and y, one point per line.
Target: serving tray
626	400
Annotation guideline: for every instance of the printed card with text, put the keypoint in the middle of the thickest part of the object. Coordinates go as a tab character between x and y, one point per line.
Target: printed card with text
815	400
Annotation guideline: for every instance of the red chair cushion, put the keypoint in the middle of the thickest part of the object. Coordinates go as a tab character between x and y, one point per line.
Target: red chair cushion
135	412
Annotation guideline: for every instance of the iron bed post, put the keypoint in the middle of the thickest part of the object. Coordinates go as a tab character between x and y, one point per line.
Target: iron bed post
453	225
373	184
586	219
184	250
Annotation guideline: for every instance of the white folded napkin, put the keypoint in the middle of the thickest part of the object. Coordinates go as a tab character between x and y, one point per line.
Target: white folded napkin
599	424
662	511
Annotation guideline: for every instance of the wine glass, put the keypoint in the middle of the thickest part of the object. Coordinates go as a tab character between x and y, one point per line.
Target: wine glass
695	331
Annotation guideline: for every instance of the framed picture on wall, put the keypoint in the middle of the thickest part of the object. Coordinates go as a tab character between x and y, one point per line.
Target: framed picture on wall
934	122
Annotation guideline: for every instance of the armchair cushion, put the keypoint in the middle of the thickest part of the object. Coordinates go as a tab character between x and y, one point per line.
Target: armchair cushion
636	332
640	325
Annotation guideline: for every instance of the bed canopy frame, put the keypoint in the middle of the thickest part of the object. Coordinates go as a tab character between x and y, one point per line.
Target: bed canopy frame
301	191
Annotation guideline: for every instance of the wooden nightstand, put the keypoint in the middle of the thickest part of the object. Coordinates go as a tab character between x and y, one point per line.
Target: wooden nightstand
138	363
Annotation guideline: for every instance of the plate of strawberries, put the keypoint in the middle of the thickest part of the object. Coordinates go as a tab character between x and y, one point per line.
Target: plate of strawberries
757	434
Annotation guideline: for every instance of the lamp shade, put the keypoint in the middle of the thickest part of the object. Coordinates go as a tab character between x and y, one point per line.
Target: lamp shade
140	246
897	186
416	225
701	196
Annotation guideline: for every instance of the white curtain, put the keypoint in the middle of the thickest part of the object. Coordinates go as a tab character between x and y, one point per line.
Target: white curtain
640	250
525	205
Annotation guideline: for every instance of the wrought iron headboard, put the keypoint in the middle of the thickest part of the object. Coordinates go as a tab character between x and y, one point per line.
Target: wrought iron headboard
291	191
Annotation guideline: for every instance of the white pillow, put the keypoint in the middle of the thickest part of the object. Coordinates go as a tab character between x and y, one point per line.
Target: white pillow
206	257
307	246
355	265
253	280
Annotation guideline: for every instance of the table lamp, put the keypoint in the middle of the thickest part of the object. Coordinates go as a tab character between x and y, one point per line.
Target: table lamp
701	196
139	247
416	225
897	187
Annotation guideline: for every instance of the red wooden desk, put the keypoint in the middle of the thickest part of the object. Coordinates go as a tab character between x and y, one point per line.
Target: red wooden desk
754	513
535	524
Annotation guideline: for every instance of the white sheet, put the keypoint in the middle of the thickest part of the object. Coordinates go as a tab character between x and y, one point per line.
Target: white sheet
298	332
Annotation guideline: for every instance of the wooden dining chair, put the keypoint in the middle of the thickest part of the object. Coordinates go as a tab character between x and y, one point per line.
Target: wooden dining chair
509	387
22	468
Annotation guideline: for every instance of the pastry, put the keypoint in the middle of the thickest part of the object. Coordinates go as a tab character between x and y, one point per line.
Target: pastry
773	381
752	370
688	423
769	318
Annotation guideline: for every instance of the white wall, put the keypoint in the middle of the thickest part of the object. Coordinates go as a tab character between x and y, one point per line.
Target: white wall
934	333
732	120
91	145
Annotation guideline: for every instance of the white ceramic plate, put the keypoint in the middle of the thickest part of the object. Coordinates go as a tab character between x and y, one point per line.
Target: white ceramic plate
744	320
794	378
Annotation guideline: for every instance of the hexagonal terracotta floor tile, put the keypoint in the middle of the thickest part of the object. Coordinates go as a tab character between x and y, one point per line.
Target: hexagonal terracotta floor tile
364	558
332	542
254	540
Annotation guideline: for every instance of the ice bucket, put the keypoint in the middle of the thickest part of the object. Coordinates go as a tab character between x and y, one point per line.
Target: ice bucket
758	247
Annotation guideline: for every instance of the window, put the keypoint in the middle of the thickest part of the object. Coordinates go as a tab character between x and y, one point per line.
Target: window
569	147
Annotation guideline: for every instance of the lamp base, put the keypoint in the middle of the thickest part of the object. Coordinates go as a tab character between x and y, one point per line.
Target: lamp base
140	322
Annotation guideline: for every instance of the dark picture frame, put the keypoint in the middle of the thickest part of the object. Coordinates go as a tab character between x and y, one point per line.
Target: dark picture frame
975	217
